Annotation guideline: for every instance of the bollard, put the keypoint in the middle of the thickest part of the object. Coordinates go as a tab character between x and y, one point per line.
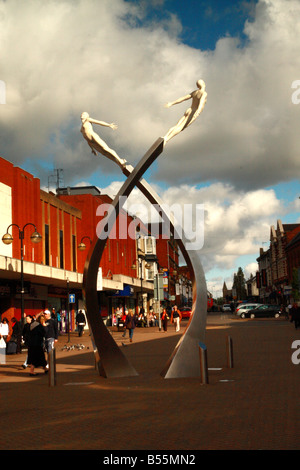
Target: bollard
96	354
229	352
203	363
52	367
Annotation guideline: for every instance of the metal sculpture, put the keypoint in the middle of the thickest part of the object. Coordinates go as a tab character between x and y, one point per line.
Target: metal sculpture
184	361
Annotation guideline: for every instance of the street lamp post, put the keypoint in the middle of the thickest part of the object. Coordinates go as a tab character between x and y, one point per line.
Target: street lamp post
157	288
68	309
82	246
7	240
147	266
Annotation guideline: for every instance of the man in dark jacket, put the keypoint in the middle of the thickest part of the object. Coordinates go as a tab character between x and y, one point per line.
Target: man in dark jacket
80	321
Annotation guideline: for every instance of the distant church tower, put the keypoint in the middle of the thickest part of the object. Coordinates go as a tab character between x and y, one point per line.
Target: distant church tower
227	293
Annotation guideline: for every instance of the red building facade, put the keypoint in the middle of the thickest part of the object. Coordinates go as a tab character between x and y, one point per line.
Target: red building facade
54	267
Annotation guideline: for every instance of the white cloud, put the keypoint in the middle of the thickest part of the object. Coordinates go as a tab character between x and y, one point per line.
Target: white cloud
236	223
60	58
250	269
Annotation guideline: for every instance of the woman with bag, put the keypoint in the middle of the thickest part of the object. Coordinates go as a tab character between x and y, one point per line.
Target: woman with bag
130	324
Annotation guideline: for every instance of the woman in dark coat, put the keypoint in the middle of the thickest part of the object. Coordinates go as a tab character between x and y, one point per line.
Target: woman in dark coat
36	355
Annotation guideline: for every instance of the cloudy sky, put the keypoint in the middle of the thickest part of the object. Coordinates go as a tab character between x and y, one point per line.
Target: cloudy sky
121	61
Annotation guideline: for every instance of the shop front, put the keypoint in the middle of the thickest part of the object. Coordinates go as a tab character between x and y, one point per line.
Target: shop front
122	300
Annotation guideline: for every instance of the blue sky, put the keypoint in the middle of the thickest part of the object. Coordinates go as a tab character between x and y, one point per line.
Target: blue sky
121	61
204	22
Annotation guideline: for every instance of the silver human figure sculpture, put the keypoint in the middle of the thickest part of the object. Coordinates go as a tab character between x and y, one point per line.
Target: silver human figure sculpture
184	361
198	98
95	142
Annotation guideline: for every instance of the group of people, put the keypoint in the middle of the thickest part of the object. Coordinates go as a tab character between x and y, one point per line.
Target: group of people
172	314
39	334
131	320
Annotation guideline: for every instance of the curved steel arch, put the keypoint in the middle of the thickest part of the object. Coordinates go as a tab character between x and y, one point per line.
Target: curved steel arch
184	361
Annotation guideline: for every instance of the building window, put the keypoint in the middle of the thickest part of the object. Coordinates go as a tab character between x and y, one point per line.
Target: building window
150	273
74	252
47	257
150	245
61	249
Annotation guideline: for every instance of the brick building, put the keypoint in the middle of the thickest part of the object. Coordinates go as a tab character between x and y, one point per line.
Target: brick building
275	264
54	267
293	261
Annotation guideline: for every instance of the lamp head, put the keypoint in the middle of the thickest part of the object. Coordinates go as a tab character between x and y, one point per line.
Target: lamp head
7	238
36	237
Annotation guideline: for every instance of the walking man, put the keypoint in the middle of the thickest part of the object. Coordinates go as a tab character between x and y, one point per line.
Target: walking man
80	320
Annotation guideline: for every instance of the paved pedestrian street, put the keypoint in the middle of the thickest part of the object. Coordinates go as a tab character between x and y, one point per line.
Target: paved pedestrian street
254	405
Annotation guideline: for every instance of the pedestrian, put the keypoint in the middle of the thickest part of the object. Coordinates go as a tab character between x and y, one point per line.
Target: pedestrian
80	321
164	319
176	318
4	329
53	314
118	315
51	332
151	318
124	316
25	335
295	315
141	318
14	344
129	324
58	321
36	355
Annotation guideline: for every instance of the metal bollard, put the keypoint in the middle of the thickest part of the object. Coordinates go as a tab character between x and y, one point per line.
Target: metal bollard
52	368
203	363
229	352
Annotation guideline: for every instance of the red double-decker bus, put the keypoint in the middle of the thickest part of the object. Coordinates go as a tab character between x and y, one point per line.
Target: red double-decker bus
210	302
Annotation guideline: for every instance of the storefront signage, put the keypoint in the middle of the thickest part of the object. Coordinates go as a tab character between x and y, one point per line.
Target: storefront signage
126	292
